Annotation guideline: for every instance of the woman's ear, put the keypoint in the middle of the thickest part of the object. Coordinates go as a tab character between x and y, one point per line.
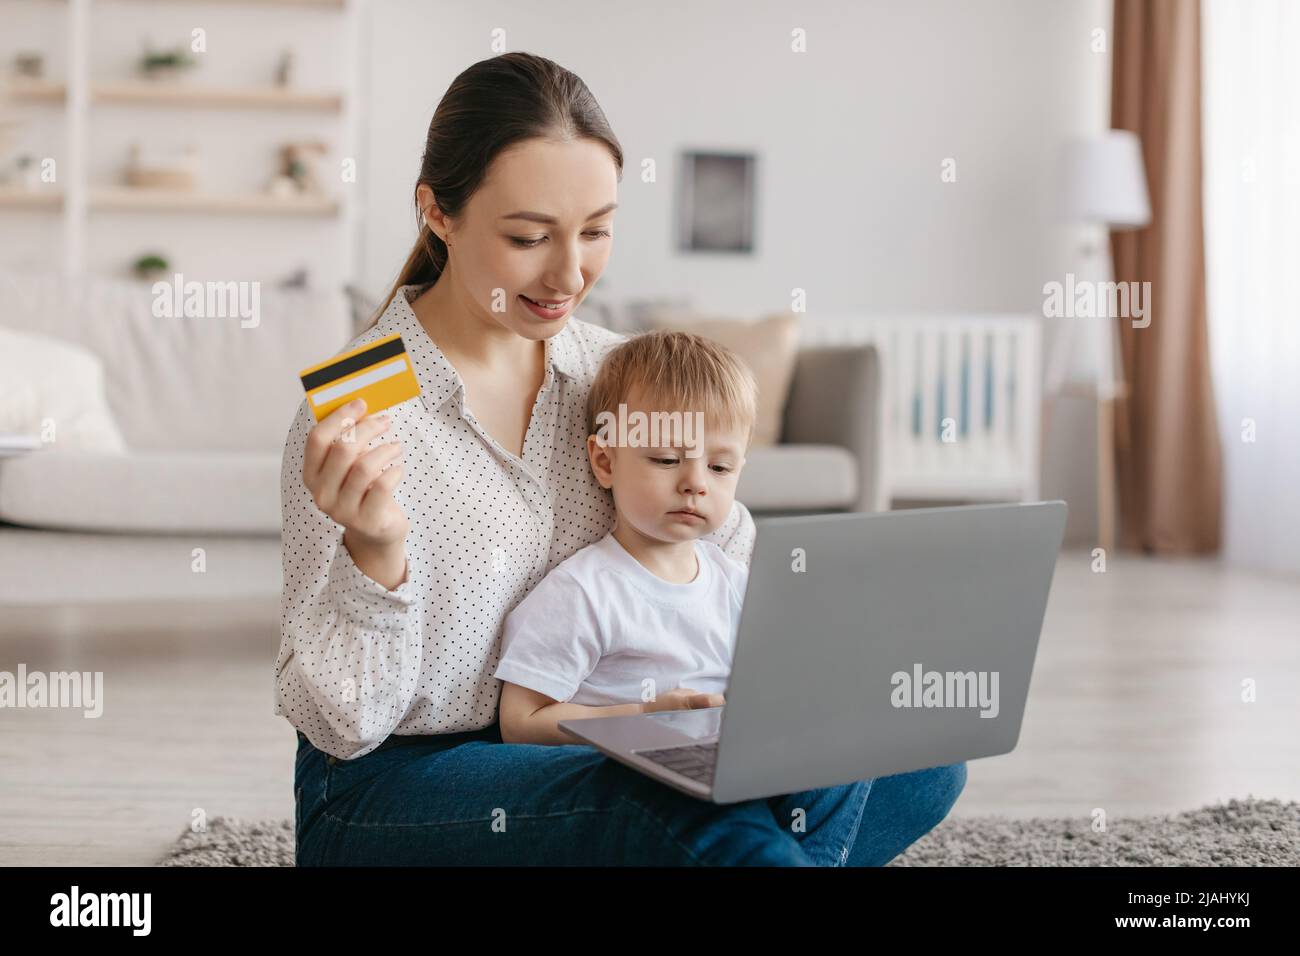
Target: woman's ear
602	463
433	216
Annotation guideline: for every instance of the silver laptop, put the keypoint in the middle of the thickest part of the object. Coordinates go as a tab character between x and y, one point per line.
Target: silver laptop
869	645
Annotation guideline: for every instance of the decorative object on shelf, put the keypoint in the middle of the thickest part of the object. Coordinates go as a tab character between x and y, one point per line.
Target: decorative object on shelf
9	127
281	187
299	278
29	64
151	267
716	202
284	68
153	171
165	64
28	172
299	175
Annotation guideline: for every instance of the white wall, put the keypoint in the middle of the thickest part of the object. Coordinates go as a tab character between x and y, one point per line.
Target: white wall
849	135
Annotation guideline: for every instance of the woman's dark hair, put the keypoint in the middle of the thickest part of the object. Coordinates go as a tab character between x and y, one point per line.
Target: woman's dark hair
490	106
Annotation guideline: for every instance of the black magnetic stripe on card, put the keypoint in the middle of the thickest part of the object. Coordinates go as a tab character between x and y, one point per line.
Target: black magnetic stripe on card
353	363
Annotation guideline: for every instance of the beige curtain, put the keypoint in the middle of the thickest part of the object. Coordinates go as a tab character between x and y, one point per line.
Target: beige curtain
1167	444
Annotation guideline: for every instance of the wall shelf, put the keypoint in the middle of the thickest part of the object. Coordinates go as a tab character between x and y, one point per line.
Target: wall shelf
21	90
13	198
126	199
165	93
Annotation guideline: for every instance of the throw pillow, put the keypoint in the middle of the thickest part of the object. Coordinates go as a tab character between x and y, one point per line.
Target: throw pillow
769	346
46	378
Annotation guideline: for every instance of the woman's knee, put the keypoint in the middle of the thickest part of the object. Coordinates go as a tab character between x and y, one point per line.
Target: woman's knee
943	786
668	823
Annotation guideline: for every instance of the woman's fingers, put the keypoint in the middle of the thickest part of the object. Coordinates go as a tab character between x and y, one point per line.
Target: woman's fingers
352	444
334	426
380	495
365	469
324	433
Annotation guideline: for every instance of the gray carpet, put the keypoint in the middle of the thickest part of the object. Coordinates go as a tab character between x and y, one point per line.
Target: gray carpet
1246	832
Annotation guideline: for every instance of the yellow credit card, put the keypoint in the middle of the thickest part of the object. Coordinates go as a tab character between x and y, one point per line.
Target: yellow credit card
380	372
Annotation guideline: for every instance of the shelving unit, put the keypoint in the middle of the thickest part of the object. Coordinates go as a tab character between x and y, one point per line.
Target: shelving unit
80	195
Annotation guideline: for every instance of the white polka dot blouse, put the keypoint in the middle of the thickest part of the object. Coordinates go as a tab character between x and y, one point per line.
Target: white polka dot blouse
358	662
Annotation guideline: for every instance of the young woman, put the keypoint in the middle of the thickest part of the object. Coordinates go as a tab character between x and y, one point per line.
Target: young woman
396	584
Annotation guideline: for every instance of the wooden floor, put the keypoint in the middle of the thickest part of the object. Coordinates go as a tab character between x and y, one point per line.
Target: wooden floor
1135	707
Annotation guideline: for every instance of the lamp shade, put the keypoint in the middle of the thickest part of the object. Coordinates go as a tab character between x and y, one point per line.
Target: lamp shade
1104	181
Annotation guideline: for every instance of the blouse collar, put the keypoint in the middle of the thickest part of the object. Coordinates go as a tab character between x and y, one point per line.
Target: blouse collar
438	378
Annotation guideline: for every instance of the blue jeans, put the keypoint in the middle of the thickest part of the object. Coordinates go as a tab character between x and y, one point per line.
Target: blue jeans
467	798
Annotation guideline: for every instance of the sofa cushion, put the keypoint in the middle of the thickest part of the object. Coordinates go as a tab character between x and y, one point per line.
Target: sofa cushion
798	478
177	492
183	382
43	379
222	492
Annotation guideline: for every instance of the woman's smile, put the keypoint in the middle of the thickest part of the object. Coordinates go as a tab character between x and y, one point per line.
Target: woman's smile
544	313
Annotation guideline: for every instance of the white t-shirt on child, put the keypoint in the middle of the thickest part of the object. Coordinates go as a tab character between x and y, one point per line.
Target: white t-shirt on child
600	623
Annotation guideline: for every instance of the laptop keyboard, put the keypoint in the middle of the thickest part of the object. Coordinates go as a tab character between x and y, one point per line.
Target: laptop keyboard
695	761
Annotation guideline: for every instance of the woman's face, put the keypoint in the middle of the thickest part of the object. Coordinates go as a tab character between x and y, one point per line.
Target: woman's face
540	226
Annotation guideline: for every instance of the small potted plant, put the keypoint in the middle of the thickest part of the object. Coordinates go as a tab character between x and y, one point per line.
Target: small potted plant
151	267
165	64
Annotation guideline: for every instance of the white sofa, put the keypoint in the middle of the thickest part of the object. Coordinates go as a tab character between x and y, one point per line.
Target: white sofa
204	404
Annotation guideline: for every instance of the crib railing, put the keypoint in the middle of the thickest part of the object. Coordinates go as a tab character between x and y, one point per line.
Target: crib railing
961	403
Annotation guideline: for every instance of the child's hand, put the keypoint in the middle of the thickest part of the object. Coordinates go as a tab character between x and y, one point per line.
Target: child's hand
683	698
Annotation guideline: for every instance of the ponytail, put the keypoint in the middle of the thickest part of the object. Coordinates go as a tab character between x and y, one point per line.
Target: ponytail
424	265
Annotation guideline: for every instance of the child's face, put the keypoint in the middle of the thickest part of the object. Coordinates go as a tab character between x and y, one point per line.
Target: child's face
653	485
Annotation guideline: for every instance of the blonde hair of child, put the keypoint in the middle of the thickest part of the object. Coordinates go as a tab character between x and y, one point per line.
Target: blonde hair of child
677	371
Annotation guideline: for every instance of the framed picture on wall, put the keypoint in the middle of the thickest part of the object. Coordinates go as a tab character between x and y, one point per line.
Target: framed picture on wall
716	202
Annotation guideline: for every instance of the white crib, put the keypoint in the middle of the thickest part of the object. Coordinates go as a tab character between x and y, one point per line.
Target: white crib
962	396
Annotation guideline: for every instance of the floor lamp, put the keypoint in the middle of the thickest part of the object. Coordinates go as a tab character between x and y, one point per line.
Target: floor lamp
1103	184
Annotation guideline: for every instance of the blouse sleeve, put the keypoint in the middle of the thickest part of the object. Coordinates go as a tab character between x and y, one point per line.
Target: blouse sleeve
349	648
735	536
